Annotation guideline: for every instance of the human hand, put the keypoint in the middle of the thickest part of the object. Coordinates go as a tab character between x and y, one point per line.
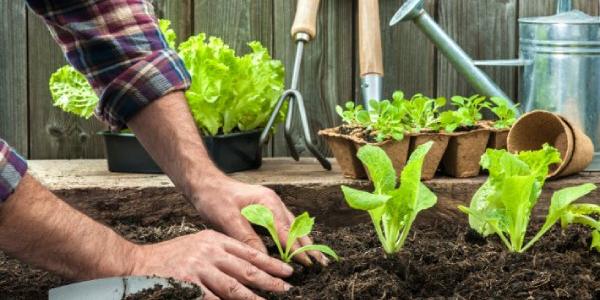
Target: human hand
222	201
221	265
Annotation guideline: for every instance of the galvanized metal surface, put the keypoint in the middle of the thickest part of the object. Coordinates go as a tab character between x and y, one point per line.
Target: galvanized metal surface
371	88
564	75
108	289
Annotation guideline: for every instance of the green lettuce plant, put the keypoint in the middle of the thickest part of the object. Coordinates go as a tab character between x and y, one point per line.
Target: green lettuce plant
422	113
503	204
506	113
582	214
353	115
72	93
302	226
466	114
392	208
386	119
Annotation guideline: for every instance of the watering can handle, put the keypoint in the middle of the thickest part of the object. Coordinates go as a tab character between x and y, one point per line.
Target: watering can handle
306	18
369	36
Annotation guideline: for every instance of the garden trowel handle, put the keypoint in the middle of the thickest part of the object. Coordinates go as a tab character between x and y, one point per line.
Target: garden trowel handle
306	19
370	51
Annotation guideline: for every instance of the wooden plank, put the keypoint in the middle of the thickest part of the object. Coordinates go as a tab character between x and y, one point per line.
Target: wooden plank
180	12
53	133
13	82
485	30
327	67
409	57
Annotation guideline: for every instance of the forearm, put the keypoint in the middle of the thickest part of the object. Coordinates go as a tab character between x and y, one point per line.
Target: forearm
168	131
42	230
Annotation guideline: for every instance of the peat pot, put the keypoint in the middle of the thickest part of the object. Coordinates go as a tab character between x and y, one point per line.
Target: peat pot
231	153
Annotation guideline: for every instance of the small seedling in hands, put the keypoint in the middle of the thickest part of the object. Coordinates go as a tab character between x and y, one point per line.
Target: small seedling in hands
302	226
393	210
504	203
507	114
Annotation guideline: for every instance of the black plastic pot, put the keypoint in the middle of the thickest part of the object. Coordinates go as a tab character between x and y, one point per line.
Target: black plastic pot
231	153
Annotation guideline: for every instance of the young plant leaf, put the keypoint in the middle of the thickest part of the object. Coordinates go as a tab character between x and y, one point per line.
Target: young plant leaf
379	167
301	226
362	200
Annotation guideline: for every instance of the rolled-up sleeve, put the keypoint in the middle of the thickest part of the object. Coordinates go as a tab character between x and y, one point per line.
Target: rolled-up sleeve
118	46
12	168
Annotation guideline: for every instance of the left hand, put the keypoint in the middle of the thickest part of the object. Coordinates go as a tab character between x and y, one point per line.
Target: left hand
221	203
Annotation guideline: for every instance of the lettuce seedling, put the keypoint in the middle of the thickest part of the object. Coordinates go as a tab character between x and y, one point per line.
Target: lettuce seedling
393	210
507	114
422	113
582	214
302	226
504	203
353	115
386	119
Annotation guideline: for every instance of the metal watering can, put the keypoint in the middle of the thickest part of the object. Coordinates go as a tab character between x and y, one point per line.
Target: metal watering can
560	56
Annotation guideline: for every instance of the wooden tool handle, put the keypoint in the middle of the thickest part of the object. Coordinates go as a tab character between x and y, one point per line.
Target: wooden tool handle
306	18
369	37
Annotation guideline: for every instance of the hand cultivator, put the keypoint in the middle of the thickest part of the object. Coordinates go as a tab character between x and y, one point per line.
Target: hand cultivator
303	31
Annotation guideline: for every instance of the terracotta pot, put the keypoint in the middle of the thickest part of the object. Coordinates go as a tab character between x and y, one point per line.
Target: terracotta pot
396	150
435	155
344	151
464	152
537	128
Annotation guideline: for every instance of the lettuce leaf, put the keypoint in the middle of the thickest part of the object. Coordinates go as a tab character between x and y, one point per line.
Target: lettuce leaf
72	93
228	92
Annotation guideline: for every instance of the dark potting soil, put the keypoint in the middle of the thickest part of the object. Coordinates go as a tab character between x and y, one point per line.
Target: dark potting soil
449	261
439	260
175	292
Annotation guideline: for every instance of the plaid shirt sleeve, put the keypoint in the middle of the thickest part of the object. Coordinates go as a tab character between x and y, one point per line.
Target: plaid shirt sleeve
118	46
12	168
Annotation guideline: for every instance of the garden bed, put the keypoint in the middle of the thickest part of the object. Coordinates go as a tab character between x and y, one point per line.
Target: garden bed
441	258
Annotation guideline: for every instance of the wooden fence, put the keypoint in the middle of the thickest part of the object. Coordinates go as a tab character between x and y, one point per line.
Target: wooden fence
486	29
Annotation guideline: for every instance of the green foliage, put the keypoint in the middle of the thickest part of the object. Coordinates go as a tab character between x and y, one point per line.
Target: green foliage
503	204
170	35
72	93
392	210
302	226
422	113
507	114
228	92
353	115
582	214
467	113
387	119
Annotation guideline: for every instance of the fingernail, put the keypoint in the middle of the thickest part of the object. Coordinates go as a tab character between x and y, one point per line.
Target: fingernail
288	269
287	286
325	261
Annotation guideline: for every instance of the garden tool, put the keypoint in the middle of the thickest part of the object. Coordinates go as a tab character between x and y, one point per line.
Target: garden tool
370	51
303	31
560	56
114	288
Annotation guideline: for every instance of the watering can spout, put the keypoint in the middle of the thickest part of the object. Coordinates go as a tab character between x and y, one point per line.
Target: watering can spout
413	10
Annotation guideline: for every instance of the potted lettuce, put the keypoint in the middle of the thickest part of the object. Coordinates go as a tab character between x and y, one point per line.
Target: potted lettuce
231	99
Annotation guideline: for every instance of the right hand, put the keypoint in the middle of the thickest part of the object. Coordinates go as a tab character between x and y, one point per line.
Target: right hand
221	265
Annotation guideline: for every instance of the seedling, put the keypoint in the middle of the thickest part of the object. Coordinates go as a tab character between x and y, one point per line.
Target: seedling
422	112
392	209
386	119
302	226
504	203
353	115
507	114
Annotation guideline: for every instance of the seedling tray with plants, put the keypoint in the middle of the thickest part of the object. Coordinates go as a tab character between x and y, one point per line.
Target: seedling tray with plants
460	136
397	238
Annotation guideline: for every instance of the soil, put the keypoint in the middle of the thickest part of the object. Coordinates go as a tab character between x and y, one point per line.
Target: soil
440	260
176	292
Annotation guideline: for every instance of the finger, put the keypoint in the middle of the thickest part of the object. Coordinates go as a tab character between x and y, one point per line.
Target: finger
208	295
250	275
225	286
264	262
235	226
